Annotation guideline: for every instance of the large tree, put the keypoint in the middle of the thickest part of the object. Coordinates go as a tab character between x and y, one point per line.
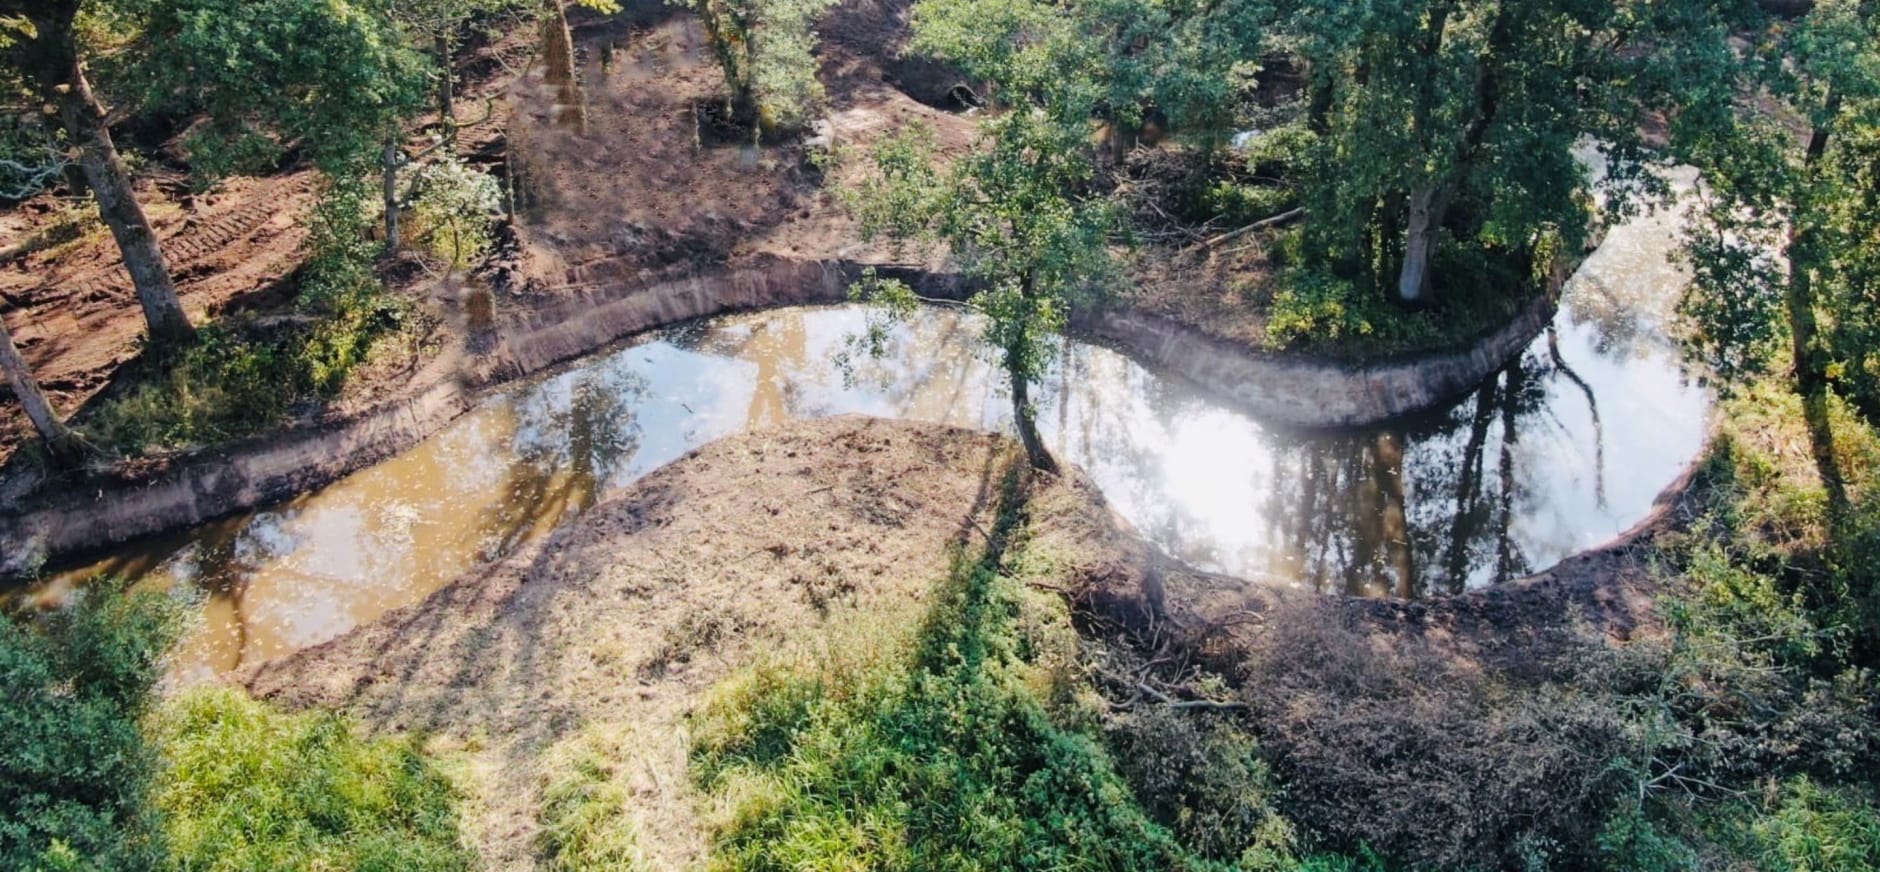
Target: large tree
1785	253
43	49
1458	119
62	445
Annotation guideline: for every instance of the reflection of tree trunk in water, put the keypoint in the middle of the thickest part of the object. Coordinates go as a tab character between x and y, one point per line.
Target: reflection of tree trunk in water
1469	488
1811	379
1592	407
1305	515
1504	545
776	356
558	65
1367	533
1395	527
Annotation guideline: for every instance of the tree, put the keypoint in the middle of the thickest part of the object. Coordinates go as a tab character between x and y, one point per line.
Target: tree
43	49
74	765
333	78
767	50
62	445
1459	118
1020	218
1784	247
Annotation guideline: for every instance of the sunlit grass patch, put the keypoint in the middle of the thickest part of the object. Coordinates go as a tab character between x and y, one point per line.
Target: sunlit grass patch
245	787
948	745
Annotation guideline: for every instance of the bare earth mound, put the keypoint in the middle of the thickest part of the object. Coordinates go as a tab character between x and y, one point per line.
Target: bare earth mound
604	637
619	623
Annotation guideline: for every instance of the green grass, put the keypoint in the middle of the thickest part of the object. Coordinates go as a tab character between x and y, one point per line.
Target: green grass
585	818
952	746
244	787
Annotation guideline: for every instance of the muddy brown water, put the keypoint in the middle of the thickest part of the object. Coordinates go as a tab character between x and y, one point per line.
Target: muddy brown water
1560	451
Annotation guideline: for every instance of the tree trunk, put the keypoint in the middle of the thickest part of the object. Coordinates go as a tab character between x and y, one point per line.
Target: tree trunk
84	122
388	162
1811	378
1026	417
557	44
1413	280
446	91
61	444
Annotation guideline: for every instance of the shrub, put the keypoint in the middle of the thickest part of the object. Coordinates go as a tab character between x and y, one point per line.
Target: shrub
245	787
456	208
243	376
1438	761
936	754
73	765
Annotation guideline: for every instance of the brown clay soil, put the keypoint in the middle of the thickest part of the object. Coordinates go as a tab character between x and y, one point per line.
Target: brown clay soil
604	637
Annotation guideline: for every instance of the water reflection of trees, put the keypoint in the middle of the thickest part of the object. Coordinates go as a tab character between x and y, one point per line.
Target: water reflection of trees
572	436
1419	510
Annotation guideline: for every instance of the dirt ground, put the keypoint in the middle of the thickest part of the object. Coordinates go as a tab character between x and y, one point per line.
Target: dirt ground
612	630
602	639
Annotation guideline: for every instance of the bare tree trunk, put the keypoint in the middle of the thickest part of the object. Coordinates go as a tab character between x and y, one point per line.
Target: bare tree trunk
61	444
1413	280
1026	417
558	60
388	162
84	122
557	44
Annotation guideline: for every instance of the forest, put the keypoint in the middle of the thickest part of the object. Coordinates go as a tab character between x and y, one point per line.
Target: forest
940	434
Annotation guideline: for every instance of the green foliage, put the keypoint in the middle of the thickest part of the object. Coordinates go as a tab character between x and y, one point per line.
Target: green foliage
938	757
767	49
1797	825
1475	108
1783	222
1021	223
73	765
244	787
331	77
240	377
1118	60
456	207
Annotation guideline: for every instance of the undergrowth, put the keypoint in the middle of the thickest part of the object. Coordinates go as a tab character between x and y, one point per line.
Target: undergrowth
243	375
956	744
74	766
245	787
1765	734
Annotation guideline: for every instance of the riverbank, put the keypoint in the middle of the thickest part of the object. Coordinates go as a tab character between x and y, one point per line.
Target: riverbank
627	226
606	638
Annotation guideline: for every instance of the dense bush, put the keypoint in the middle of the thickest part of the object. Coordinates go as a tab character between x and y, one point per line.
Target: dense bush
245	787
73	765
1439	761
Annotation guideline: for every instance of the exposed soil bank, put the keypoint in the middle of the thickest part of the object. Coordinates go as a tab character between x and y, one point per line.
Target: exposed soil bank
607	634
1313	393
59	519
610	631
